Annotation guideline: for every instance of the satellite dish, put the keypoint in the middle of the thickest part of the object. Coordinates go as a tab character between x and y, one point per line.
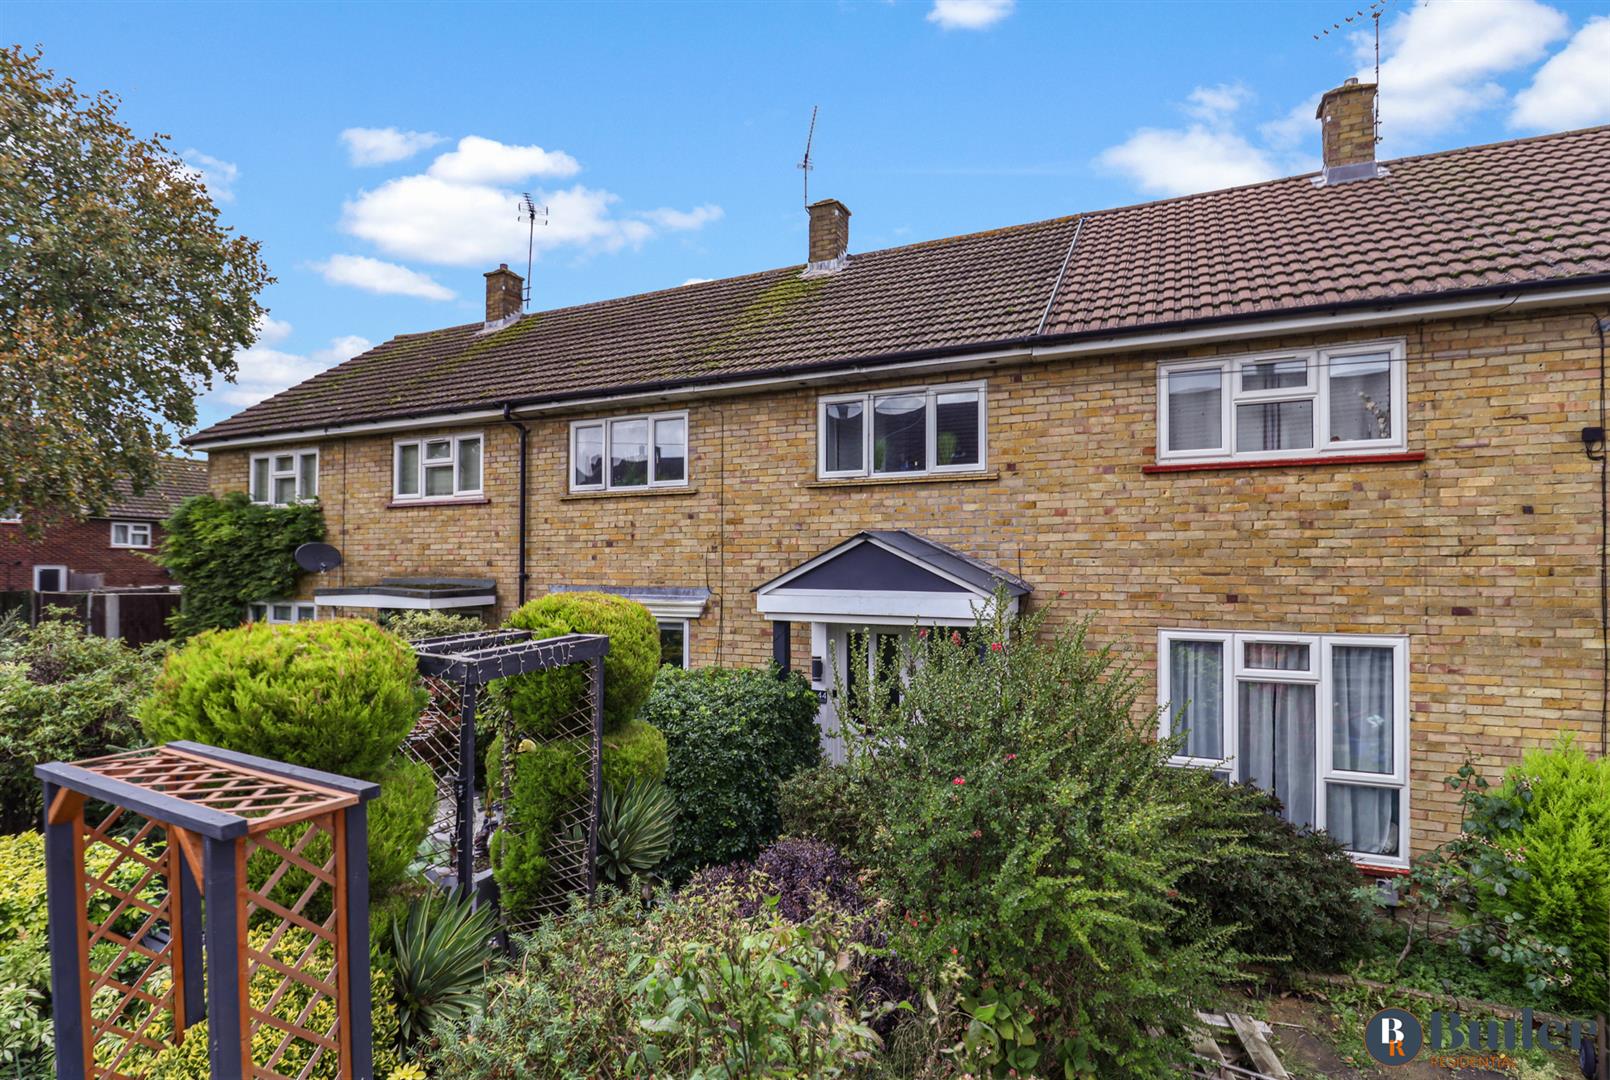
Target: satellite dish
317	557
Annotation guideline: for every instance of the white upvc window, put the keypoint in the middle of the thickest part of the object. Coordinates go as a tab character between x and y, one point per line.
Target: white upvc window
624	452
674	642
131	534
284	477
1295	403
10	517
280	612
904	432
1320	720
444	467
50	579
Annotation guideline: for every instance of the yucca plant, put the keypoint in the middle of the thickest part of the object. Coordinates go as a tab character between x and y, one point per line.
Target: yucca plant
634	830
441	954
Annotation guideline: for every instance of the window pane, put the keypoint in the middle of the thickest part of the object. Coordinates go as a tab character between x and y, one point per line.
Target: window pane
628	453
285	489
956	428
282	612
305	612
260	480
1360	397
257	611
900	433
469	465
587	462
283	464
438	480
843	442
1274	374
309	476
1361	708
673	637
439	450
120	534
1276	656
1195	410
671	449
1196	696
1274	425
1277	744
1363	819
408	469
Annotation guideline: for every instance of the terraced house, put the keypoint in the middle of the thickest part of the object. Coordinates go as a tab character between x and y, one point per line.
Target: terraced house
1312	450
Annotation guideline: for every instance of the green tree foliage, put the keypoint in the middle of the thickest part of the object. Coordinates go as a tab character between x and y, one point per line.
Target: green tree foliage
336	694
120	295
64	695
732	736
542	699
230	552
1033	843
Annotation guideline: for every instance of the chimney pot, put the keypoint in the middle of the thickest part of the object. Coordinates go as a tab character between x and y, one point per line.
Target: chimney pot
830	236
1347	132
504	294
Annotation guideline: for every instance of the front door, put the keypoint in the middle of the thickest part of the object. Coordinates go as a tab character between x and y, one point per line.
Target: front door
844	672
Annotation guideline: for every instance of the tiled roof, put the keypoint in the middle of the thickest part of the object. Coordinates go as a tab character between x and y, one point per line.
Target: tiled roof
177	480
1526	212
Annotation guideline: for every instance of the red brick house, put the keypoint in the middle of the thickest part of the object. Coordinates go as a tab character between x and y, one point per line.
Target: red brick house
1324	454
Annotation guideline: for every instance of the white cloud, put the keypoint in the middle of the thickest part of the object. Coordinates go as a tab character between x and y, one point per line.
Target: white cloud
1165	162
387	279
683	220
264	372
378	146
487	161
969	14
271	330
1572	90
1440	61
217	176
1216	103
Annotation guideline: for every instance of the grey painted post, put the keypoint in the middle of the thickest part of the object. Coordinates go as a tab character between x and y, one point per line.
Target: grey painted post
195	1000
781	633
466	788
223	961
357	1016
596	675
63	897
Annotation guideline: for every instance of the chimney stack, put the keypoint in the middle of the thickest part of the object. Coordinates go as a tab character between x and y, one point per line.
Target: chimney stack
830	236
504	295
1347	131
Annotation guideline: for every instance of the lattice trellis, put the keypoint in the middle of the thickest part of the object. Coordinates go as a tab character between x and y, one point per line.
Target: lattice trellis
145	849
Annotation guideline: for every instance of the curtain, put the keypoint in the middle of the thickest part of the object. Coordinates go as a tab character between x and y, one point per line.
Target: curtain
1196	695
1277	744
1363	819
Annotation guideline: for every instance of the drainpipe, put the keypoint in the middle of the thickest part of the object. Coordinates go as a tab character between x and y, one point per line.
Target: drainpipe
520	576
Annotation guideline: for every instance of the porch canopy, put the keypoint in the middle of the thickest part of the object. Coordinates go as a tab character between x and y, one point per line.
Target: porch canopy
888	576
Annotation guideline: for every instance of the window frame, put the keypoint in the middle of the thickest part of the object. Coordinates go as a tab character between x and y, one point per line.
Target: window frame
607	424
930	393
131	526
297	608
1316	389
453	440
1320	676
50	566
684	624
295	475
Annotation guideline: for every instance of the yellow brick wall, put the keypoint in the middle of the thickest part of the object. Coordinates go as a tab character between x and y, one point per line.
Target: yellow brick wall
1498	521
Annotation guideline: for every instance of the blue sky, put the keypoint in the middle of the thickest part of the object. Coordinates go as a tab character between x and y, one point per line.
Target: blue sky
377	150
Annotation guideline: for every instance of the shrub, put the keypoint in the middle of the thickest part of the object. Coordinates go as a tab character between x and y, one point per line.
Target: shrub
417	625
64	695
230	552
399	818
1034	840
337	695
635	826
540	699
1290	893
732	737
804	877
546	778
440	954
636	752
827	804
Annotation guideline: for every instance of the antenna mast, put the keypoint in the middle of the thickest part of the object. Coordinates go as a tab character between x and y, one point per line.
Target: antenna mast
529	213
805	165
1376	9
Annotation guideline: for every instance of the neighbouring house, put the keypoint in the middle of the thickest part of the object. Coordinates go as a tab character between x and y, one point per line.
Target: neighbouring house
1312	451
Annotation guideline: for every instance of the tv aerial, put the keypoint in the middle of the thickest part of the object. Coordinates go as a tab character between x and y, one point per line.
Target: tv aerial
530	212
805	165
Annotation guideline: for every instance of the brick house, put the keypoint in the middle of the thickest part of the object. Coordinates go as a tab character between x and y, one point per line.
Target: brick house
1312	451
106	551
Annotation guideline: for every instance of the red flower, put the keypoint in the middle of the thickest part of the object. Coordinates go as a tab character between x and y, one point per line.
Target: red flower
1011	757
996	646
959	781
923	633
978	833
955	637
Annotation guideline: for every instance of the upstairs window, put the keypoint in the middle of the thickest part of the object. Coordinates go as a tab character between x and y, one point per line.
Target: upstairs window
285	477
1300	403
629	452
448	467
902	432
131	534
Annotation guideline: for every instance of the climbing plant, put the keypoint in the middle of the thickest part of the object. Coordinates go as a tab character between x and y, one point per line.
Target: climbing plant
231	552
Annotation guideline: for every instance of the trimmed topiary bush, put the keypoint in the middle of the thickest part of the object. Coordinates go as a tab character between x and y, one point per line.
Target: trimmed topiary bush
540	699
545	779
732	736
399	818
635	752
338	695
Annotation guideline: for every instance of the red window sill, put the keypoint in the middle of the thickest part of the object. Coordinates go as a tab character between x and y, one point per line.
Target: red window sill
1382	871
1286	463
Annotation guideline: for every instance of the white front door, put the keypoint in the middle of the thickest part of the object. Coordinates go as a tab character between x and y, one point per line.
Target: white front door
843	673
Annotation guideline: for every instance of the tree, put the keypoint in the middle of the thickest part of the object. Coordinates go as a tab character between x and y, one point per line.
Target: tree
120	295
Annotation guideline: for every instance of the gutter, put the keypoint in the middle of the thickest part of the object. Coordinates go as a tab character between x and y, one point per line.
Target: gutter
1467	302
521	576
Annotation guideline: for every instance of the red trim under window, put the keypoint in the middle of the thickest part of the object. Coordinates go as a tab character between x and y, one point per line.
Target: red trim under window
1277	463
1382	871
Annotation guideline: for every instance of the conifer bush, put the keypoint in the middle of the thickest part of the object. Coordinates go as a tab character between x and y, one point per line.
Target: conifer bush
541	699
546	777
